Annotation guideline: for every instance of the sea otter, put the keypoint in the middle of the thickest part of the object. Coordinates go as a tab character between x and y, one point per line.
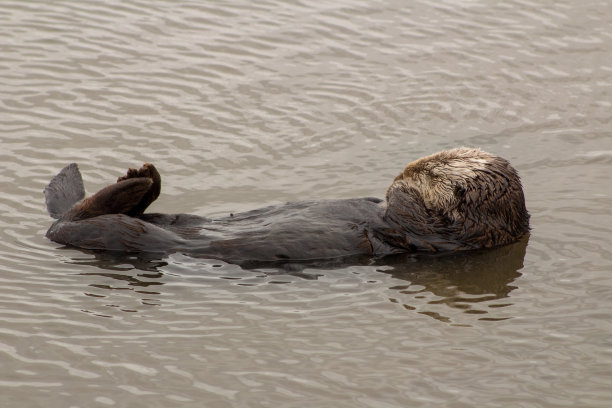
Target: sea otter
454	200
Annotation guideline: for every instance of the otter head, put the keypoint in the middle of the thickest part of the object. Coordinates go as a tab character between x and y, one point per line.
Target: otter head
468	196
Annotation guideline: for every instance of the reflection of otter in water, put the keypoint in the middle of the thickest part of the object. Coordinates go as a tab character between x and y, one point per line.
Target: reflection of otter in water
454	200
474	282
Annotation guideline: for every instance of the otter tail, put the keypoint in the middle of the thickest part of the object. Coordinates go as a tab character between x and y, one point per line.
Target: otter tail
64	190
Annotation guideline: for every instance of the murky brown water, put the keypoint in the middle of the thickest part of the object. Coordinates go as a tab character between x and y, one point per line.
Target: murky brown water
247	104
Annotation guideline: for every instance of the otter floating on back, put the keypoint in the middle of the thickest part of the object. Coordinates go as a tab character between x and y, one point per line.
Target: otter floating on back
454	200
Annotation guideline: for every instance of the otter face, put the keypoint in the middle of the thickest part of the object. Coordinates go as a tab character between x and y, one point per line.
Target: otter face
475	194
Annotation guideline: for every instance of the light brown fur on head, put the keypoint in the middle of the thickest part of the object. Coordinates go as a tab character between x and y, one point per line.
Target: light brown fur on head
469	195
437	176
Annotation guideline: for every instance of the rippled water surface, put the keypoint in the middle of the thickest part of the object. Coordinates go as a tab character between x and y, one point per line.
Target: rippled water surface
242	105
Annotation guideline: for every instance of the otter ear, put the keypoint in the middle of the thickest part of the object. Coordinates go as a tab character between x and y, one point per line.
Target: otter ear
64	190
459	191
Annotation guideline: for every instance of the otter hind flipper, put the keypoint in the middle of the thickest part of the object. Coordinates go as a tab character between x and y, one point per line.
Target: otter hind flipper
119	198
64	190
123	197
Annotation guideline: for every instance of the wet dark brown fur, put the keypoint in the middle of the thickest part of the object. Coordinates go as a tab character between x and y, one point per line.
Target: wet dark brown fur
453	200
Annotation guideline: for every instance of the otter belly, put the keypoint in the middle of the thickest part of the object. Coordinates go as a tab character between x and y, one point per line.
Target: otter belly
293	231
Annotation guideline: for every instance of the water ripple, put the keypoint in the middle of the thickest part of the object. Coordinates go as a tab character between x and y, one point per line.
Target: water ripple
242	105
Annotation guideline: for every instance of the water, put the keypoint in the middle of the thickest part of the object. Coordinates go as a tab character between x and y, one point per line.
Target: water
243	105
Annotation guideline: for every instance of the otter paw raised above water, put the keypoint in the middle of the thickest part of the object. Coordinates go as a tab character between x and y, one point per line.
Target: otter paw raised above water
147	170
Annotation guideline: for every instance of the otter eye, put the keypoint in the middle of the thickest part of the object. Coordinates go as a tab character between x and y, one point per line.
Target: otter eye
459	191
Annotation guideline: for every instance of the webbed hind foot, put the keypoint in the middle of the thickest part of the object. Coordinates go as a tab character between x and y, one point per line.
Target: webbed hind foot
131	195
147	171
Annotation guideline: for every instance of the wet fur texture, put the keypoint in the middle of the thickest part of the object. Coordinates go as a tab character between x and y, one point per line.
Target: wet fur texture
454	200
461	199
